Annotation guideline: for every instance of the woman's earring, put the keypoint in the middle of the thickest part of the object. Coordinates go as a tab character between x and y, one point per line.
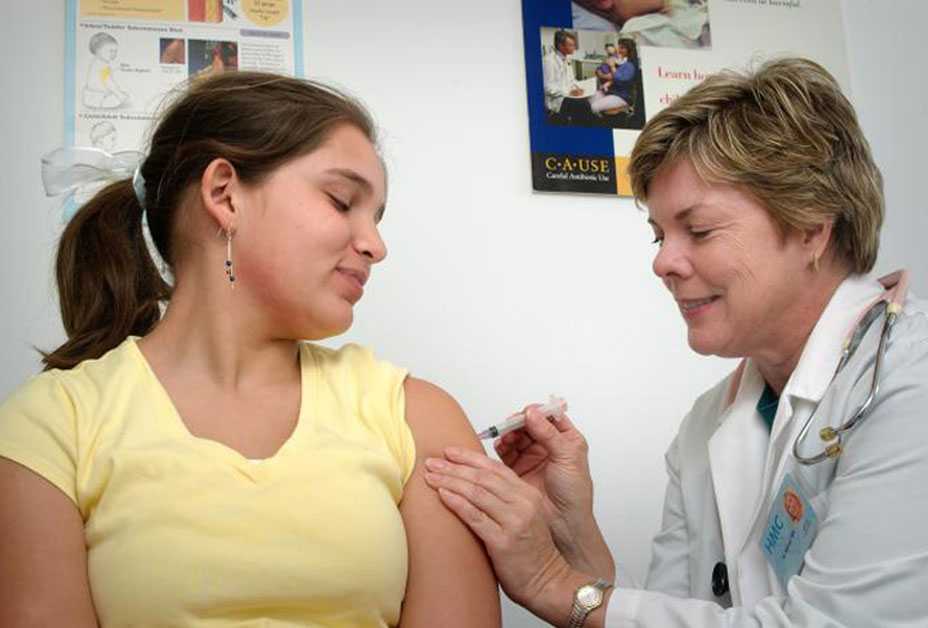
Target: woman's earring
230	270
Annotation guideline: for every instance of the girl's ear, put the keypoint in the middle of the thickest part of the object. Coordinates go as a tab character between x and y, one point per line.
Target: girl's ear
216	189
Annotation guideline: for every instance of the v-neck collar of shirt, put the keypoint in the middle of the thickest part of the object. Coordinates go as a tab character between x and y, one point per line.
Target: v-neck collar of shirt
176	424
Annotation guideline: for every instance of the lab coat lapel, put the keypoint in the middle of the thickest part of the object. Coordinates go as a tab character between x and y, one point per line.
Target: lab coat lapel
737	451
755	579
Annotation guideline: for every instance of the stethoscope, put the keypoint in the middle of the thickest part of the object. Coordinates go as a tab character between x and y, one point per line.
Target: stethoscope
889	305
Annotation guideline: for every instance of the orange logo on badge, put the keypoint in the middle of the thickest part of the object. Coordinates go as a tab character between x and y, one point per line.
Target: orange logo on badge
792	504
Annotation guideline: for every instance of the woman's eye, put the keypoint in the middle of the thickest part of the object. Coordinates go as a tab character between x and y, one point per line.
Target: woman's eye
700	234
658	240
339	205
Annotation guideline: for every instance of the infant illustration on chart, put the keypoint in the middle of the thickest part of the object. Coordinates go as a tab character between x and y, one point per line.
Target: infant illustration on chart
101	91
103	135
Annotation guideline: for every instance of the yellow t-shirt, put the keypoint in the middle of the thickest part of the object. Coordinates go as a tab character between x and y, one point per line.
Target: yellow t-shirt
184	531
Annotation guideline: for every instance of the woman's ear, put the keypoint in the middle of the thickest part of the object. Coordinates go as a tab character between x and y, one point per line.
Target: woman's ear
217	188
817	240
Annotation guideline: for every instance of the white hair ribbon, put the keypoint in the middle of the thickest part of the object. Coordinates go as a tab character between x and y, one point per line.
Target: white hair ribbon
79	172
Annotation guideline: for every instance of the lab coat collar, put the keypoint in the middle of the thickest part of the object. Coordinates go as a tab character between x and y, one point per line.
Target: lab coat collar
823	349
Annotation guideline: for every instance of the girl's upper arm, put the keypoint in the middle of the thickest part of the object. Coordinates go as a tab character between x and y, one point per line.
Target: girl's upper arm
451	583
43	558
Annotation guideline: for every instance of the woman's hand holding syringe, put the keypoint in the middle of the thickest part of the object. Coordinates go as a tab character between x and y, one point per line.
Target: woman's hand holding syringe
553	410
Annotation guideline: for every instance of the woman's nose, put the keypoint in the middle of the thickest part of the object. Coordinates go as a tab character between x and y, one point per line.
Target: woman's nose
670	261
369	243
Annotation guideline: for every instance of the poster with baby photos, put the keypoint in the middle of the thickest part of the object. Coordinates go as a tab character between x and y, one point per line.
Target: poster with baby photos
597	70
125	58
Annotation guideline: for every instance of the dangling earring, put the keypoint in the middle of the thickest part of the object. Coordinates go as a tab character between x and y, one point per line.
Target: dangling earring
230	270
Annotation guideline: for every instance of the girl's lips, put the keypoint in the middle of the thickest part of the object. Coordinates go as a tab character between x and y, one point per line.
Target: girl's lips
359	275
355	281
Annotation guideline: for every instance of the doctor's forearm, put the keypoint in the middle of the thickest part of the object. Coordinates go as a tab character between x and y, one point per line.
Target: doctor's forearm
584	547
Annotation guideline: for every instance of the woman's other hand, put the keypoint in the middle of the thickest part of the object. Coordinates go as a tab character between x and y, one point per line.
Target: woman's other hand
506	513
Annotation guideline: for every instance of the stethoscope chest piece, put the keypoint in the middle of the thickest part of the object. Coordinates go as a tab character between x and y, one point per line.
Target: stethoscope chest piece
720	579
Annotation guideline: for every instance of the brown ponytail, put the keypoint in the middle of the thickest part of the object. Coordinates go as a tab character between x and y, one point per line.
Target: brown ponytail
108	285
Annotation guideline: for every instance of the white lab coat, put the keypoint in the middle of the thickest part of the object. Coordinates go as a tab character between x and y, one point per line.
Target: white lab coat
868	564
559	79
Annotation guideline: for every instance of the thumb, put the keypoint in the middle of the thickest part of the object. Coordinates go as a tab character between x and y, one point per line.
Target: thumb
539	427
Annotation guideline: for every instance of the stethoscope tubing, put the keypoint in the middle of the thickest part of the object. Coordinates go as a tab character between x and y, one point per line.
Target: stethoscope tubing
891	304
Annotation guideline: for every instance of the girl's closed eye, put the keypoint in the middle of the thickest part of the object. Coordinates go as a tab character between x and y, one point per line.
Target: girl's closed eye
339	204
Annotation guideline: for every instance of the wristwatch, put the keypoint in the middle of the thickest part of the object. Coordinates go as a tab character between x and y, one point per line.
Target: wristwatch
587	599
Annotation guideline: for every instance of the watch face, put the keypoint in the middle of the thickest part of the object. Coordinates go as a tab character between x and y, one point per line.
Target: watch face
589	596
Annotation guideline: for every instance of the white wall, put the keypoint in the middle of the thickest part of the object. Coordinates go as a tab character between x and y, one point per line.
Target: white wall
499	294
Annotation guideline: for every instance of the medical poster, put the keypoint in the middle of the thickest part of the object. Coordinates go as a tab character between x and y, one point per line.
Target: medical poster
597	70
126	58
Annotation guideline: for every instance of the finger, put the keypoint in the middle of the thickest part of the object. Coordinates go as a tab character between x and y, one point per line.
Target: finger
563	423
560	438
510	445
522	440
515	513
506	439
506	442
524	456
541	429
475	519
471	458
478	496
516	439
530	406
503	445
529	460
560	421
496	484
509	456
478	461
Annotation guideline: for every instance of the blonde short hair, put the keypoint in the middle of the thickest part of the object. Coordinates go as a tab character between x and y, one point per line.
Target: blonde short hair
785	134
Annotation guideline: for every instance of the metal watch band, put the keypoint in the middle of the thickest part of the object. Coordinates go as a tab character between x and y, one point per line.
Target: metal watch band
579	611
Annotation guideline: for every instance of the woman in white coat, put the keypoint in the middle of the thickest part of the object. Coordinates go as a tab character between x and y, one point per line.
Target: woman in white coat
766	207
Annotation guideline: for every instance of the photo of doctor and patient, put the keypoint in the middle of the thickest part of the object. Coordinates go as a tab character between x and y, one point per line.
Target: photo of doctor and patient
592	89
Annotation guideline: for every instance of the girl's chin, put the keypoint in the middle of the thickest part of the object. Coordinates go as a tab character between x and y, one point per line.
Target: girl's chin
335	324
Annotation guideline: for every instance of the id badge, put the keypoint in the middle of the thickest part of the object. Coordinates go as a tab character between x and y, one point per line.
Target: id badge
791	527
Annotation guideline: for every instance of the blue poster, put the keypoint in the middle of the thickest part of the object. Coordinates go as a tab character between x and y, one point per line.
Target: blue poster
597	70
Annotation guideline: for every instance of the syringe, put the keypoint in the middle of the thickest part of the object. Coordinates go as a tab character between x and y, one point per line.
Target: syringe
553	410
